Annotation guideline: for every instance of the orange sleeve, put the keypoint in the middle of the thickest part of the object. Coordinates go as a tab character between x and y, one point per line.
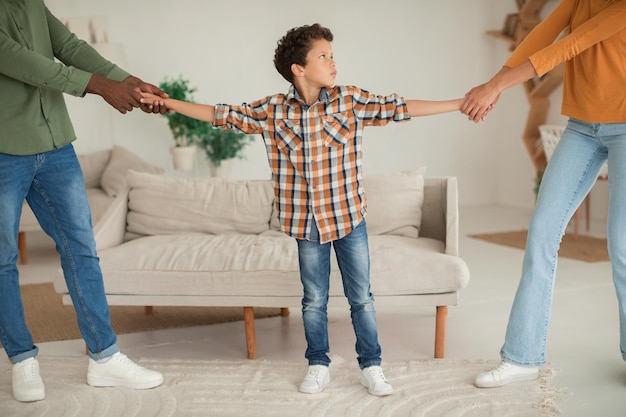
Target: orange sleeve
544	34
545	54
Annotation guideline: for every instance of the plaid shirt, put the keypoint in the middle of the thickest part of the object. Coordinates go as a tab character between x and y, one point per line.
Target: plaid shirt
315	153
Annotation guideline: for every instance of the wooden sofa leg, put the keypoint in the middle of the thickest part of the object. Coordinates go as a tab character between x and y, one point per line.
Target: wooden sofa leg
284	312
21	247
248	319
440	331
148	310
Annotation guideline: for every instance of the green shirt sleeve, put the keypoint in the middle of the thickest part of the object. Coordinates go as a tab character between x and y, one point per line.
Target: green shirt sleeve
34	64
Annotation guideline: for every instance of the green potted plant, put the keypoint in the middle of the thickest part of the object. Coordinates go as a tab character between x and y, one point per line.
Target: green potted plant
185	130
218	145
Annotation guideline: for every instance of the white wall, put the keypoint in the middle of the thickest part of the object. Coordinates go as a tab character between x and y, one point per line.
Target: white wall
421	49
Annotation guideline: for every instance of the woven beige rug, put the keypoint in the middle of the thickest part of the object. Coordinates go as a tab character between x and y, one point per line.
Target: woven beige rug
430	388
49	320
583	248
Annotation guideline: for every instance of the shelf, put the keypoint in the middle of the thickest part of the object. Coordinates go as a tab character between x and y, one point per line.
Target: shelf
531	8
499	35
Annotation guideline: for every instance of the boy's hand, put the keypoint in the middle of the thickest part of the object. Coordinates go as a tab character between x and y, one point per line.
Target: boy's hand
154	101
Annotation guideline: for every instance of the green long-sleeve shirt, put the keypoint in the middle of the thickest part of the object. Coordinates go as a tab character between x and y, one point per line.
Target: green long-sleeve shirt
33	115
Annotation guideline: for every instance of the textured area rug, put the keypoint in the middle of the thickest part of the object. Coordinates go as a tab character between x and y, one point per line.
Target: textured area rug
49	320
582	248
262	389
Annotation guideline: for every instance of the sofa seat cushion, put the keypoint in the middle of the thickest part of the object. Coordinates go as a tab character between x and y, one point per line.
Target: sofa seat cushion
231	264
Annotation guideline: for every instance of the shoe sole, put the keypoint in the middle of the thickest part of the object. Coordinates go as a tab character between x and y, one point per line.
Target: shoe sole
100	382
37	396
511	380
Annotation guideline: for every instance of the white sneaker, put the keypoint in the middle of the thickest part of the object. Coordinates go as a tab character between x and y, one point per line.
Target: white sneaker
27	383
315	380
505	373
119	371
373	378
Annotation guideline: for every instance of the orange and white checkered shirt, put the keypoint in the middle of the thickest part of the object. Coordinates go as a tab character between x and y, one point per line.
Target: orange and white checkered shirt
315	153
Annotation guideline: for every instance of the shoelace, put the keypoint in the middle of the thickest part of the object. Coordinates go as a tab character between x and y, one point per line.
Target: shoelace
502	367
313	373
376	374
26	371
125	361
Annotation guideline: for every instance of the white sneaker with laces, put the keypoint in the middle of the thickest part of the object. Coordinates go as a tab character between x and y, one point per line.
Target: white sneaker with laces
27	383
315	380
119	371
373	378
505	373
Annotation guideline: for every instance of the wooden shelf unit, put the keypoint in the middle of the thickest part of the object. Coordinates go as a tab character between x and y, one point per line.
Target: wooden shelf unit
516	27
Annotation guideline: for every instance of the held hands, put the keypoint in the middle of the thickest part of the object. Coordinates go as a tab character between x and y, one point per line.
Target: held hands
125	95
479	101
156	101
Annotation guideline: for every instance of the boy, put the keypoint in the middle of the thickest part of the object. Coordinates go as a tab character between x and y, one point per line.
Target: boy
313	140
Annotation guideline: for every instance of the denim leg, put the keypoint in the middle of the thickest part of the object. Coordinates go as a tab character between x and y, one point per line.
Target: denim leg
572	171
58	198
16	175
314	261
354	263
614	137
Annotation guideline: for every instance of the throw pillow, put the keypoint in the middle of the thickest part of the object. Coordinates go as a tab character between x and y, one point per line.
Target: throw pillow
158	205
113	180
394	203
93	166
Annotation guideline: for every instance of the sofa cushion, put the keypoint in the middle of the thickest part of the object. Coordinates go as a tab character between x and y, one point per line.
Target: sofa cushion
113	180
93	166
232	264
394	203
162	205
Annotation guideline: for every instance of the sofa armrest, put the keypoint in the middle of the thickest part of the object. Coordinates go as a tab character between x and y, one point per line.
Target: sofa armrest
440	212
111	228
452	217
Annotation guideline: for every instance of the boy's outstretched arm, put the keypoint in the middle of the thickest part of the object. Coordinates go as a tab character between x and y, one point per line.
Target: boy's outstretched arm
204	112
427	108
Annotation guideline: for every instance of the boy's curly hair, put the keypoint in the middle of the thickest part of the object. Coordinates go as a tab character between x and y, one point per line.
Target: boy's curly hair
295	45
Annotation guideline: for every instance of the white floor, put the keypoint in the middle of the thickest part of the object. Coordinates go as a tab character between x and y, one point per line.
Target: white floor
583	339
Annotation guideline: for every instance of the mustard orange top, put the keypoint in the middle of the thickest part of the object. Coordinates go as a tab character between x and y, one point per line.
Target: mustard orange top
594	52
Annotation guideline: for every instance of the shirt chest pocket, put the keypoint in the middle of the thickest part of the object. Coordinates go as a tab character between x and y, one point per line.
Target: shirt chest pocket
288	135
337	129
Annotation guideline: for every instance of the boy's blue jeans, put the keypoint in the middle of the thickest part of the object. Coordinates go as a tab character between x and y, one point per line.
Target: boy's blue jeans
354	263
53	185
570	175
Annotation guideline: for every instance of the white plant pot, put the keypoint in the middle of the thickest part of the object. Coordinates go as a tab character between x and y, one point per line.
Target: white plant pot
183	157
223	171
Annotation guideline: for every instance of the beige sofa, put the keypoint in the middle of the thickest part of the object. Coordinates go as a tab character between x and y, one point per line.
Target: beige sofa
105	177
213	242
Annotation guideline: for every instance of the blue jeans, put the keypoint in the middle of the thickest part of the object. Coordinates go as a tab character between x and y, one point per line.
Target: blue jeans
570	175
53	185
354	263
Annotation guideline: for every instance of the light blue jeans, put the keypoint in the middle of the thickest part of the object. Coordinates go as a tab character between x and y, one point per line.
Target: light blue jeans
352	253
53	185
570	175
